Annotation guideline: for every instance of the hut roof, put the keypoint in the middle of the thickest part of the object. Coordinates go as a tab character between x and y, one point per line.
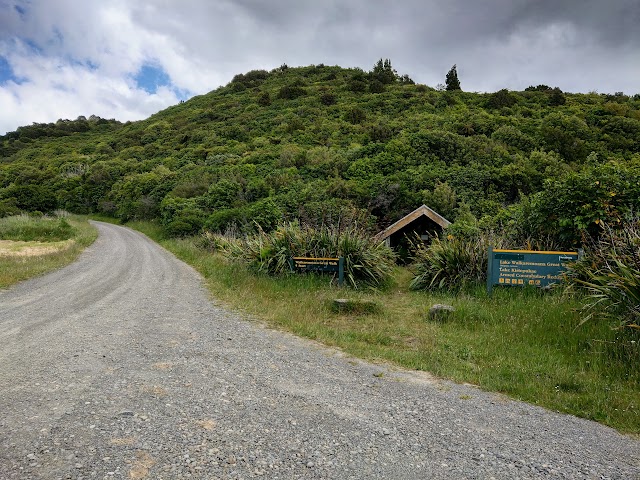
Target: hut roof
421	211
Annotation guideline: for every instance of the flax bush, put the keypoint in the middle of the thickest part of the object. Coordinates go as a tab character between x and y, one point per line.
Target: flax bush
366	262
609	273
452	262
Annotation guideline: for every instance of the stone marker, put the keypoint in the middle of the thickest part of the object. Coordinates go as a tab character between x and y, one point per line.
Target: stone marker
440	312
340	304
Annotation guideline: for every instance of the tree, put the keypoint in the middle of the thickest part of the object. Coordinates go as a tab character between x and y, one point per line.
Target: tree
383	72
452	81
500	99
557	98
264	99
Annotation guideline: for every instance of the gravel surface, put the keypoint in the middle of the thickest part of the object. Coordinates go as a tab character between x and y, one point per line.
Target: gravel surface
120	366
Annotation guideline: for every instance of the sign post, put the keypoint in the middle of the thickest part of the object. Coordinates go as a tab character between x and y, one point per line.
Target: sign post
321	265
526	267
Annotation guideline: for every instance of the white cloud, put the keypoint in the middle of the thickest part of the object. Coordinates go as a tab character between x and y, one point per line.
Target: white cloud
88	52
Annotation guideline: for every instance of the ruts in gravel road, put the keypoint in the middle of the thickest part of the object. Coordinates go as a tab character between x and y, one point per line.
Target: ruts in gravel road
120	366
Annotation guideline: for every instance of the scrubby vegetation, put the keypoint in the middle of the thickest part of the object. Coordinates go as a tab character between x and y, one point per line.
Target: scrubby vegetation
366	262
317	143
452	263
610	274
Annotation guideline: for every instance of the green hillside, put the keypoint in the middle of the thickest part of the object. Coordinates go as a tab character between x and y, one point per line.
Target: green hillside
327	144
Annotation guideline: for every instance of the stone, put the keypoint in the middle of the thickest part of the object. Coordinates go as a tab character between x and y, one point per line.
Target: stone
440	312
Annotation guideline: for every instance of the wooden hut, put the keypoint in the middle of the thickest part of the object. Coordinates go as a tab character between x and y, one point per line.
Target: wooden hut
423	222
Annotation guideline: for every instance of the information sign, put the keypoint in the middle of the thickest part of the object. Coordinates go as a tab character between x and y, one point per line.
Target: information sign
526	267
319	264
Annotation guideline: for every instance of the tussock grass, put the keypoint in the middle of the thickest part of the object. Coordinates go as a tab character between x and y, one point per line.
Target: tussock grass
523	343
72	234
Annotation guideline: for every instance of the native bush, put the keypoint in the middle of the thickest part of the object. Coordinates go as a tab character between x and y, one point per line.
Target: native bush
577	203
367	262
8	207
290	92
328	98
609	273
455	261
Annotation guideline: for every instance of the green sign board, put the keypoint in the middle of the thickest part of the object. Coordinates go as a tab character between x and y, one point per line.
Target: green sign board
526	267
321	265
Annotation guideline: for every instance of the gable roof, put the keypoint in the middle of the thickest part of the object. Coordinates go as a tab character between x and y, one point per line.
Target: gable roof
422	210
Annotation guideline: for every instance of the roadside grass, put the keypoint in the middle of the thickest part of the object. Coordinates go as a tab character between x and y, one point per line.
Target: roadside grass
526	344
26	228
37	245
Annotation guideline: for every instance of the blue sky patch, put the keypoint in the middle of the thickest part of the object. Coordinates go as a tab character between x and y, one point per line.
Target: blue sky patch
21	11
151	77
6	72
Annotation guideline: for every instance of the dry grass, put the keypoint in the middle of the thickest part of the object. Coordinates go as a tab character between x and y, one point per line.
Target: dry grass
21	260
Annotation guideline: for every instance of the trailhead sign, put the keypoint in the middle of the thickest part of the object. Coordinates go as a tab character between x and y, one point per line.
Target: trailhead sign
320	265
526	267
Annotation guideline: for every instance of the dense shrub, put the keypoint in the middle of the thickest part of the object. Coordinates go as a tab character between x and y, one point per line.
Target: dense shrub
8	207
264	99
501	99
290	92
225	219
452	262
328	98
252	78
30	197
609	273
355	115
577	203
367	261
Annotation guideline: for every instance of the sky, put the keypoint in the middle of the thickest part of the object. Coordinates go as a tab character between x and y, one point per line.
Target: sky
127	59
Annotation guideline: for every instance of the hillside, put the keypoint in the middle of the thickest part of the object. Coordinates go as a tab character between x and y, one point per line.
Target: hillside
328	144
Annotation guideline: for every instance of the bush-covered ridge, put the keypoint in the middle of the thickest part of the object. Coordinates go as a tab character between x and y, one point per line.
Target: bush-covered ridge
323	143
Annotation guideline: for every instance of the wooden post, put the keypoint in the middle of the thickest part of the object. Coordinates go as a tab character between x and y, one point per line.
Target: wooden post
490	271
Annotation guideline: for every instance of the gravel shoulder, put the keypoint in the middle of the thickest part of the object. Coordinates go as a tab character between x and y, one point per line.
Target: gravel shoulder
121	366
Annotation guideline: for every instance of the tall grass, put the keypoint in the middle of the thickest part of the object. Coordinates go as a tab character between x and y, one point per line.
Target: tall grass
40	229
73	233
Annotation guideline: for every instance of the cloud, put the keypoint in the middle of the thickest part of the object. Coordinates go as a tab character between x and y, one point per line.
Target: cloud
126	60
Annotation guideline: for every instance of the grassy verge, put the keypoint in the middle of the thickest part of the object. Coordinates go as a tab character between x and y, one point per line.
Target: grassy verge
34	246
521	343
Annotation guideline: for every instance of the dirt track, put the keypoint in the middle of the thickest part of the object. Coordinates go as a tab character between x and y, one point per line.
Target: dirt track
119	366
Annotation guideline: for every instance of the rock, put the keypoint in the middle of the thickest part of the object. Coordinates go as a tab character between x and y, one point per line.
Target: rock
440	312
340	304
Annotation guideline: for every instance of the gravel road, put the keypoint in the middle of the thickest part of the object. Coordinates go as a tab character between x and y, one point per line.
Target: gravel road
120	366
